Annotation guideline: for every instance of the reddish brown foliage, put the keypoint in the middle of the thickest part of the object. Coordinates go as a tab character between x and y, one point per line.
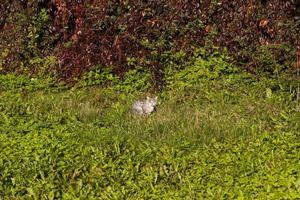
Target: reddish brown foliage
107	32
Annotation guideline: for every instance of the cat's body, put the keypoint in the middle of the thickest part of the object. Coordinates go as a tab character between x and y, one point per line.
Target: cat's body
144	107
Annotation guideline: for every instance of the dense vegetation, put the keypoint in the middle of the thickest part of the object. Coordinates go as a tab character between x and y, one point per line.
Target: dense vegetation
68	38
226	74
218	133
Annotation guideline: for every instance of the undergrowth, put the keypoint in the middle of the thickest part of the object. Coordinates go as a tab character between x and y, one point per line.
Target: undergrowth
218	133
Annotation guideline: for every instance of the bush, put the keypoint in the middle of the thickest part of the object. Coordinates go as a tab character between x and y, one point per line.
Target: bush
83	34
274	59
203	66
135	80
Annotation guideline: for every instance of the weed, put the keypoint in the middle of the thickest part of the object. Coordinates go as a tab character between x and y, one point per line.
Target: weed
218	133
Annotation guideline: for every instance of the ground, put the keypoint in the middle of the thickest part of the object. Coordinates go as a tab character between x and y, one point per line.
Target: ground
234	137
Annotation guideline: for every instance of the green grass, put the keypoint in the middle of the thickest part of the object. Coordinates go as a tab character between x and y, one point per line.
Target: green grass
224	138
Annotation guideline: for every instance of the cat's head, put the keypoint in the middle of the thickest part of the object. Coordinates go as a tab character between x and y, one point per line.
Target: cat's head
152	100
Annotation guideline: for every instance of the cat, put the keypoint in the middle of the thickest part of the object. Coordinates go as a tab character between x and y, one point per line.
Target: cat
144	107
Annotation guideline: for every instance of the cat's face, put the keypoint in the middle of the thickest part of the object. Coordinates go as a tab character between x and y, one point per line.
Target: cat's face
152	101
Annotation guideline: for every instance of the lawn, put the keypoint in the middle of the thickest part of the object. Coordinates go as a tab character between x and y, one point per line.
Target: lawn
234	137
226	75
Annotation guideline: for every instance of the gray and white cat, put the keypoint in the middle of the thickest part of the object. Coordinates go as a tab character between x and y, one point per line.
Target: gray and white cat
144	107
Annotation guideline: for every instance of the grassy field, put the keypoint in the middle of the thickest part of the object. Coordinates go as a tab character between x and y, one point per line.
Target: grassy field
225	137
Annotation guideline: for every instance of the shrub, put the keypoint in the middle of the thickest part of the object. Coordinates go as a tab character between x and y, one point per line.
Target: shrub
82	34
134	80
274	59
203	66
99	75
